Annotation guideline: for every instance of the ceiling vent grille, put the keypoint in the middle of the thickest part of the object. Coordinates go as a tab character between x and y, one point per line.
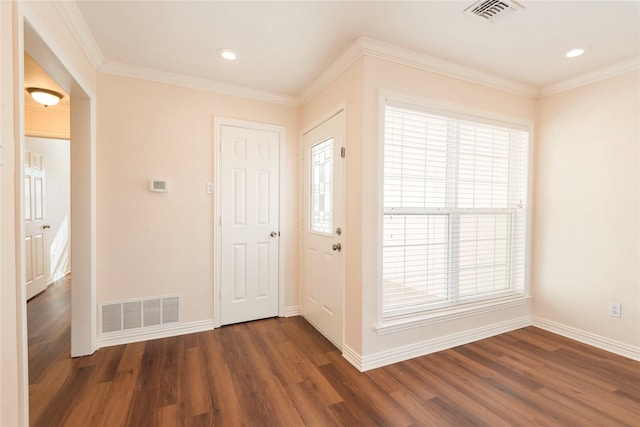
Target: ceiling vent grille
492	10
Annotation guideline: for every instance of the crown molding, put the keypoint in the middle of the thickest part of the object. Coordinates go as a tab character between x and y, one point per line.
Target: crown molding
149	74
591	77
47	134
363	46
389	52
78	27
337	67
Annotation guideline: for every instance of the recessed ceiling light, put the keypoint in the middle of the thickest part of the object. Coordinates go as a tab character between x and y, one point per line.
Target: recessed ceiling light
575	52
228	54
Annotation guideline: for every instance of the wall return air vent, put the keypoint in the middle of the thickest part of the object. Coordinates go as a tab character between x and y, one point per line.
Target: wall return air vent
493	10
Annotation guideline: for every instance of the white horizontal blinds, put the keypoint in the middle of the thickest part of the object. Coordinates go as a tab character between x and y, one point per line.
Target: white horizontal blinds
454	210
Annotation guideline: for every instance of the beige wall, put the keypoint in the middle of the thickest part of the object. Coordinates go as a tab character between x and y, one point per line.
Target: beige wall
359	88
45	20
11	386
587	218
52	122
388	76
587	201
346	92
152	244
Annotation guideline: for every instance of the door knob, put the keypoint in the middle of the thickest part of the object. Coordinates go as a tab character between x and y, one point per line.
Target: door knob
337	247
44	227
274	234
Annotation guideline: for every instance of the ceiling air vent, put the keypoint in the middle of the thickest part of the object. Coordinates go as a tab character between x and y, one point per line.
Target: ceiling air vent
492	10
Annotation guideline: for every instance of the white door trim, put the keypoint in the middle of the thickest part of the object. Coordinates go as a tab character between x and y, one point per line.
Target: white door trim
218	122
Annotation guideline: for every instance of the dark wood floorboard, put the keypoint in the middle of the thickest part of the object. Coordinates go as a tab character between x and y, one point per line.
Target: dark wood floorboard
282	372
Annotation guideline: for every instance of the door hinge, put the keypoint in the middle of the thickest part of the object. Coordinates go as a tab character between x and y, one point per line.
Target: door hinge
343	152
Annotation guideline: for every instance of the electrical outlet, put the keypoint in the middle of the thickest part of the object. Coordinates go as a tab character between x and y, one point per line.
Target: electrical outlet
615	309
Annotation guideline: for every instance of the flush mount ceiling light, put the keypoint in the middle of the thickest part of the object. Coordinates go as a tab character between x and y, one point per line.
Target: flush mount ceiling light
575	52
228	54
45	97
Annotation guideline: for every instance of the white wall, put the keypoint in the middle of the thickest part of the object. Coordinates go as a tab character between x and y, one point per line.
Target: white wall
57	164
587	217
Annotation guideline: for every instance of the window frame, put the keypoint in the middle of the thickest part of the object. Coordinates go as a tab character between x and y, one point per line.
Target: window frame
470	307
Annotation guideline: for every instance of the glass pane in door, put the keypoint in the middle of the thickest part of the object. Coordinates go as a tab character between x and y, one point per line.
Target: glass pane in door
321	191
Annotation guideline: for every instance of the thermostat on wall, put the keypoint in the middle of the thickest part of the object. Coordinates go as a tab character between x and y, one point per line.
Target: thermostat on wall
158	185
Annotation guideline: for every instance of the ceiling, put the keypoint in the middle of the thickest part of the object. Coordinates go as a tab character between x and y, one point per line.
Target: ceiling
283	47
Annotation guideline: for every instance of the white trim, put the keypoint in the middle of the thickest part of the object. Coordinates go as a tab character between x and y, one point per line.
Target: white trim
181	80
443	107
218	122
392	53
362	46
40	28
591	77
78	27
607	344
344	61
389	326
152	333
456	312
411	351
352	357
292	310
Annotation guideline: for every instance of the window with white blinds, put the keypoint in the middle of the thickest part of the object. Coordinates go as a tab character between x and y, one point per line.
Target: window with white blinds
455	204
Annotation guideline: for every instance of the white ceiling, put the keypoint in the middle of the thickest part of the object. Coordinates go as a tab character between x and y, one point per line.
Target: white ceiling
284	47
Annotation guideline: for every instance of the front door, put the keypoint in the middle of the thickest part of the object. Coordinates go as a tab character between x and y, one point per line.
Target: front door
323	240
249	223
34	225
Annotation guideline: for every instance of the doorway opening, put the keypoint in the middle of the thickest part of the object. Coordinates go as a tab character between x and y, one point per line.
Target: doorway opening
82	199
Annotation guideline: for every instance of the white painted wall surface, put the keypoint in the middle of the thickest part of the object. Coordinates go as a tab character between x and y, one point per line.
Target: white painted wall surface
587	216
56	154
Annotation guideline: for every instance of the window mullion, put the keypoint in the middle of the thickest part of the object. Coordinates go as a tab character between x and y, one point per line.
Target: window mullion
453	219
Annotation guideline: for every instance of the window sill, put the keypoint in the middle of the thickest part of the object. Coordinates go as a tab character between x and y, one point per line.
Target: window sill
451	313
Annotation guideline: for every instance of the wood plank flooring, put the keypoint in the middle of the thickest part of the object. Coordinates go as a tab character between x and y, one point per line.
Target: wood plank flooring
281	372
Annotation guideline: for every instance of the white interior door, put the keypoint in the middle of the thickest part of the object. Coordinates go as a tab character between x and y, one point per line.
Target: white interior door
249	224
322	293
35	228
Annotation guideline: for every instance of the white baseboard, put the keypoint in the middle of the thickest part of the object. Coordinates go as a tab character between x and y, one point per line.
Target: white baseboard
352	357
293	310
411	351
584	337
145	334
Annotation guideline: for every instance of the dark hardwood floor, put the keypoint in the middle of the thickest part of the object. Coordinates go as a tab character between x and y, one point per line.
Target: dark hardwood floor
281	372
